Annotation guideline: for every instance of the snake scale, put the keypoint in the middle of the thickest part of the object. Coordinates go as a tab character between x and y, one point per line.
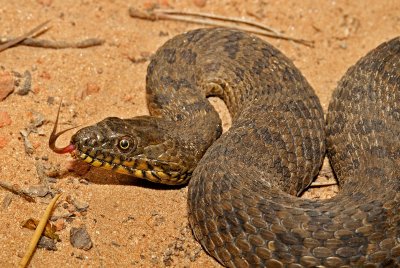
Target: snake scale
243	204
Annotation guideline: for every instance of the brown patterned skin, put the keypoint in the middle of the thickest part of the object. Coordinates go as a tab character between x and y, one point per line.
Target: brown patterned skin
242	193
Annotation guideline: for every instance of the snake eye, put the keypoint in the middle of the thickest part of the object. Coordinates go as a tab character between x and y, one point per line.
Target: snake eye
124	144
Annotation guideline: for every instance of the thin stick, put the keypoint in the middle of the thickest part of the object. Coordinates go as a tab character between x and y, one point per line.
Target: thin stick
38	232
27	40
19	39
13	189
219	17
154	15
33	42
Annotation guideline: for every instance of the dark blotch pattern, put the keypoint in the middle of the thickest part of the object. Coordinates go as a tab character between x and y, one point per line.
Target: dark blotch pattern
170	55
189	56
242	200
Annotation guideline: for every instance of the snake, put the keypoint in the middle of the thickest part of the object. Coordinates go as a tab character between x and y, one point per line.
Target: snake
244	184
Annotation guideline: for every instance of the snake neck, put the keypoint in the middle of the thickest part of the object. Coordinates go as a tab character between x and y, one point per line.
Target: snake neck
202	63
192	136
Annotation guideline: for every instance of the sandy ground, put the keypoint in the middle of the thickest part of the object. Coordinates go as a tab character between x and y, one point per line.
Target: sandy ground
131	222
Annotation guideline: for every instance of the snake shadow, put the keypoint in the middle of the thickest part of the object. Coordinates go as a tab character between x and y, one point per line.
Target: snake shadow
101	176
106	177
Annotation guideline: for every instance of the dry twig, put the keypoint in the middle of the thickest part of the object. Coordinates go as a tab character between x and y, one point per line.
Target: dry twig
43	43
13	41
38	232
221	18
27	40
256	28
15	190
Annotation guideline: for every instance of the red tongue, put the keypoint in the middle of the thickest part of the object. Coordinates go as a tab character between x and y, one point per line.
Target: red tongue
54	135
68	149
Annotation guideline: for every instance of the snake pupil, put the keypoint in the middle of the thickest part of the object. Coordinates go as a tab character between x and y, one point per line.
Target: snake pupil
124	144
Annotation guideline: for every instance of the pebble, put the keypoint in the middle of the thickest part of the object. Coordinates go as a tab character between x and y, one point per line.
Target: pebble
37	119
50	100
27	144
91	88
59	224
6	201
6	84
79	205
38	190
79	238
26	87
5	119
47	243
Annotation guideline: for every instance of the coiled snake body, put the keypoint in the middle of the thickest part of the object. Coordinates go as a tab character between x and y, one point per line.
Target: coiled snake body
242	191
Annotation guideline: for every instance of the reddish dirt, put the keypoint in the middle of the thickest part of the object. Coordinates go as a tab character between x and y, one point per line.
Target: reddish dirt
131	222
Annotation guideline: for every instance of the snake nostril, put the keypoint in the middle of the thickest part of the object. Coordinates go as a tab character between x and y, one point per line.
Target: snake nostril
92	142
85	141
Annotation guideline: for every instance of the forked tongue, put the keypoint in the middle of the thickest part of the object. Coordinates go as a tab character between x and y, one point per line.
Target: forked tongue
54	135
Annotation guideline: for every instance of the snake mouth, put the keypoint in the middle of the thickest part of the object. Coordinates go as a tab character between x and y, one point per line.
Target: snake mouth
142	168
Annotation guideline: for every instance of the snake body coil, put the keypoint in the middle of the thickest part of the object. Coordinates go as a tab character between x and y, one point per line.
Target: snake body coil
242	191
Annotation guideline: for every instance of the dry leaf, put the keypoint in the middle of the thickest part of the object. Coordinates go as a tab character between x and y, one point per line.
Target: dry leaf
49	231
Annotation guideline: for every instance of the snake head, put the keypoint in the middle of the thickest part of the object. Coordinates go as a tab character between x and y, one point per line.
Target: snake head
139	147
147	147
